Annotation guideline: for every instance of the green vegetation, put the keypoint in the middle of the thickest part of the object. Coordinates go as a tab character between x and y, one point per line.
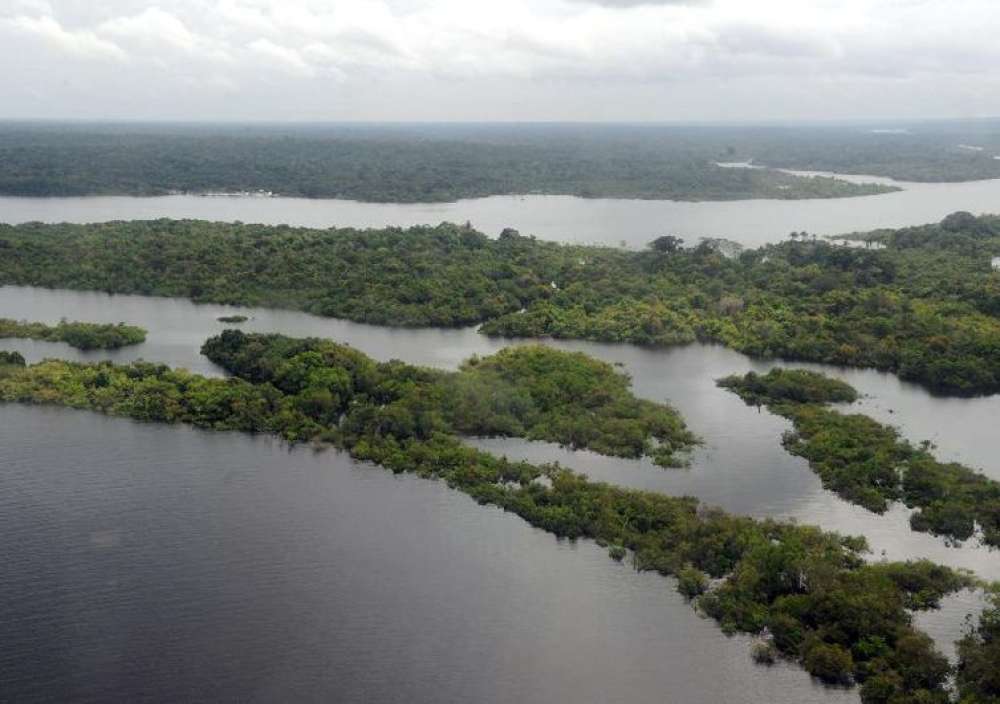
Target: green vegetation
386	164
232	318
11	359
845	620
529	391
83	336
789	385
978	678
926	307
867	463
573	399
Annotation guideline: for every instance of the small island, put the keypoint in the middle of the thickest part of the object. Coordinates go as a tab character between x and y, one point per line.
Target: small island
868	463
232	318
82	336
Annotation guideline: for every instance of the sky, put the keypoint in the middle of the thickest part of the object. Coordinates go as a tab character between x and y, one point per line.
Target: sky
506	60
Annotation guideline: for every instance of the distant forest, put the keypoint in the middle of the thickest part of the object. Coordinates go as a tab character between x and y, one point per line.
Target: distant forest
410	163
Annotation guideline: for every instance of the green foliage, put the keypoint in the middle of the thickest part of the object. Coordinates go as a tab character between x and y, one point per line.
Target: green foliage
529	391
232	318
764	653
867	462
794	385
11	359
812	588
83	336
571	398
927	307
829	662
386	164
978	676
691	582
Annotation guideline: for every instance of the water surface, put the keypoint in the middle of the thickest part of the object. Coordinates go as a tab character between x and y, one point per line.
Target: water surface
436	605
561	218
152	563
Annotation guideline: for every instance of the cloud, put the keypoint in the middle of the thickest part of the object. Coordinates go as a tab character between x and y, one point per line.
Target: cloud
153	26
282	56
81	43
553	52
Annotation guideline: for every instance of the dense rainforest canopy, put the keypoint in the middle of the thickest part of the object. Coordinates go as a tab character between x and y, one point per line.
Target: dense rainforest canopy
808	592
867	462
388	164
925	305
83	336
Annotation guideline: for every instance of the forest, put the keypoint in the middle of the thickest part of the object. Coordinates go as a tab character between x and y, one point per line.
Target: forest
808	595
386	164
925	305
867	463
83	336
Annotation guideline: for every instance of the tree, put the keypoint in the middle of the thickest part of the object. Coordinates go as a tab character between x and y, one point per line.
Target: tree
666	244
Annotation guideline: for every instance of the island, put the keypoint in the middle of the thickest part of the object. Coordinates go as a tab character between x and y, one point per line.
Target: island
83	336
867	463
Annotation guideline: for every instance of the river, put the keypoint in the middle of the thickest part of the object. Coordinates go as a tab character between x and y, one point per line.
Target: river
160	561
562	218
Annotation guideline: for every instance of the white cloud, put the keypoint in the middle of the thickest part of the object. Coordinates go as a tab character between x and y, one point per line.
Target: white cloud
82	43
282	56
560	50
153	27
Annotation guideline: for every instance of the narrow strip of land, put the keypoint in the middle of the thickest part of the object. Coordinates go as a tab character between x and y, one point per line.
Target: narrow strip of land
867	463
83	336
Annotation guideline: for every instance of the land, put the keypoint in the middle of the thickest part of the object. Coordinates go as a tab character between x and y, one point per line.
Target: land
809	594
925	305
83	336
867	463
406	163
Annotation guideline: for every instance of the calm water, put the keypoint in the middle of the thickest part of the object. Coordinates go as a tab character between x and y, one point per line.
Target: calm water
561	218
146	563
160	562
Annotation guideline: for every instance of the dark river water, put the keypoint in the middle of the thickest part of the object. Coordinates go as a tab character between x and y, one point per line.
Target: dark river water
563	218
162	563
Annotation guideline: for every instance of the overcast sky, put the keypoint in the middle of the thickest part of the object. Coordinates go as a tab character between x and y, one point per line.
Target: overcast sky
499	60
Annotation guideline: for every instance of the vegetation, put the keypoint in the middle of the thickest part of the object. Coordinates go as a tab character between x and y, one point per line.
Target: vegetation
867	463
926	306
386	164
576	400
978	678
789	385
11	359
529	391
83	336
232	318
844	619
